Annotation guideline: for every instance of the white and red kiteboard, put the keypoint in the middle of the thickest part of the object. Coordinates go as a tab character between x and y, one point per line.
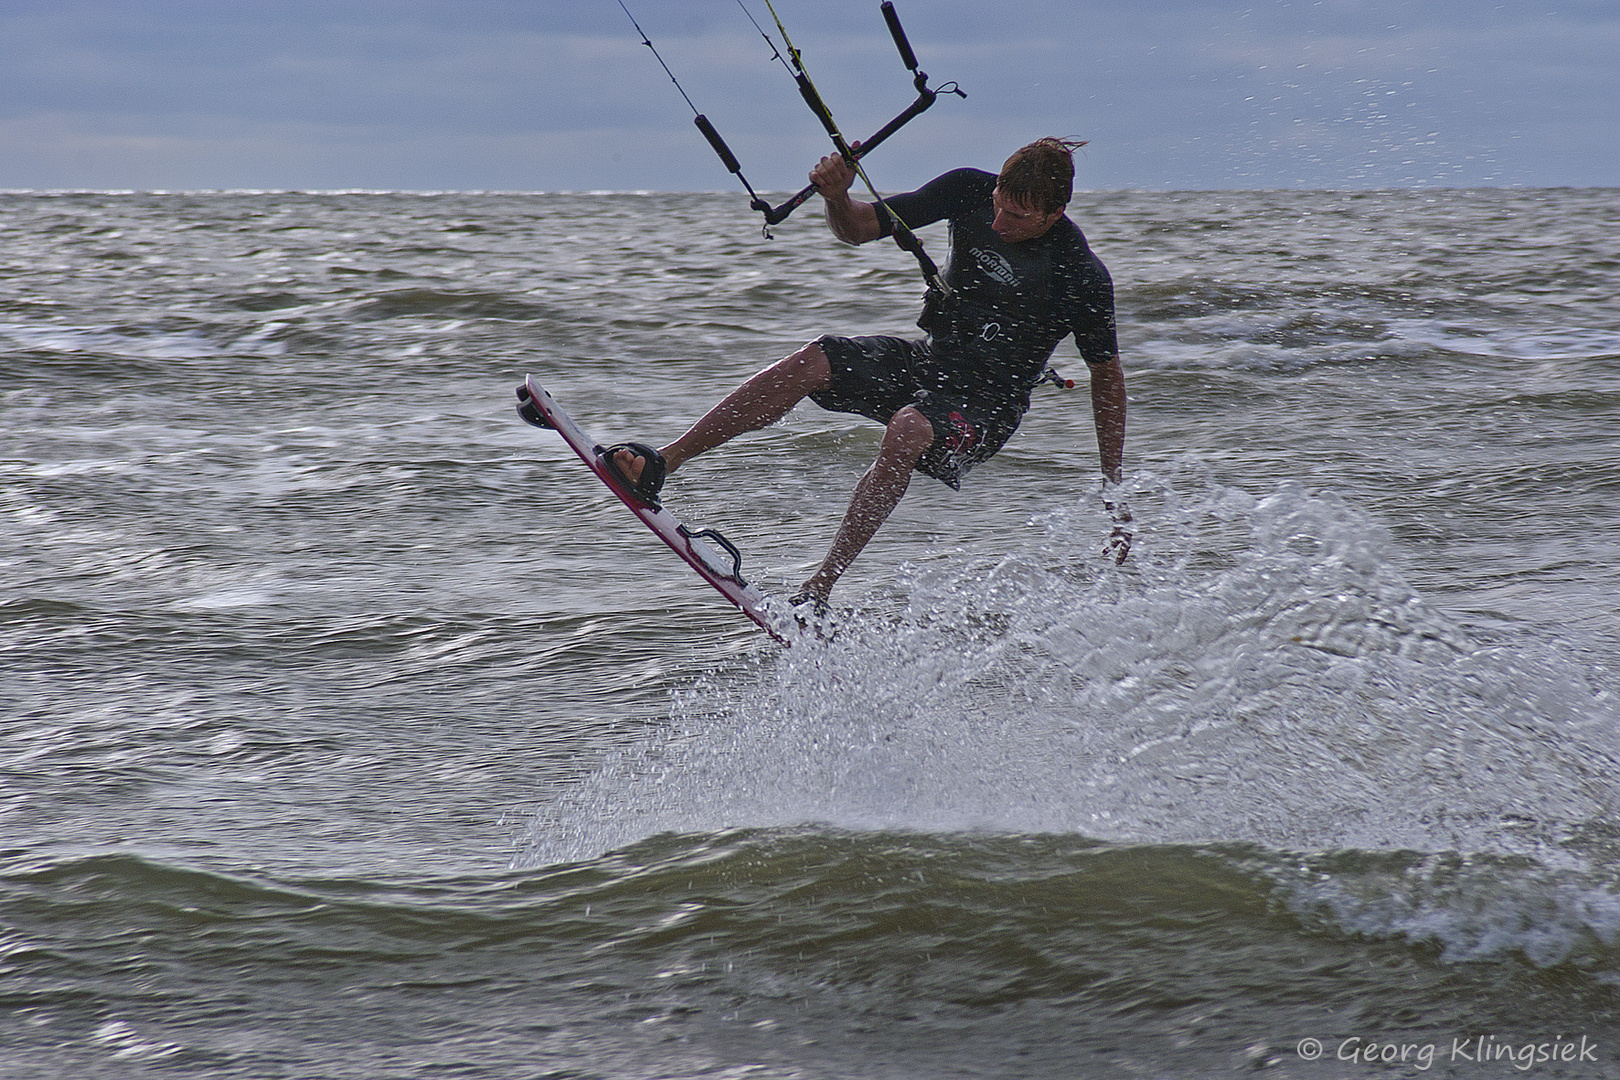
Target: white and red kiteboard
724	572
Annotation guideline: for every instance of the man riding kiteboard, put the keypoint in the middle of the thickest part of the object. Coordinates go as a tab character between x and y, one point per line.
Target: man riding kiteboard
1020	279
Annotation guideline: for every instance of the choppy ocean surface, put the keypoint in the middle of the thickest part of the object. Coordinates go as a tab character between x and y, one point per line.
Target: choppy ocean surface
351	730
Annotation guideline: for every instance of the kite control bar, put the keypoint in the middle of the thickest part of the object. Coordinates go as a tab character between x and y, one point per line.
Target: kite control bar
851	153
925	99
775	215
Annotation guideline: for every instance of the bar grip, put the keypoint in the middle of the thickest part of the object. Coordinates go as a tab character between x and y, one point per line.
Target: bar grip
908	57
719	144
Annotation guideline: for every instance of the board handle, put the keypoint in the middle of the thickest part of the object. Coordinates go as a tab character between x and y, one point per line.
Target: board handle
719	538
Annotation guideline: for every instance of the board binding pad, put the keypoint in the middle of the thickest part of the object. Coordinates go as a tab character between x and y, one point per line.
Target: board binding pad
695	546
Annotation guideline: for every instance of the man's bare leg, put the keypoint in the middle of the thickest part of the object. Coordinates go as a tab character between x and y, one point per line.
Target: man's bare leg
876	495
765	399
761	401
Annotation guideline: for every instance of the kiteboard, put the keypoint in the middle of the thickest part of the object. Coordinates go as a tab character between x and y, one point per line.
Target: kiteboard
696	547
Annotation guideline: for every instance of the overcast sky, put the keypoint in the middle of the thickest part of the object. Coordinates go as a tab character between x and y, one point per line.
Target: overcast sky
561	94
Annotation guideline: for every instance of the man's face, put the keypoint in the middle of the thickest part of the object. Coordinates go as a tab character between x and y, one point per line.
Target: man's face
1016	222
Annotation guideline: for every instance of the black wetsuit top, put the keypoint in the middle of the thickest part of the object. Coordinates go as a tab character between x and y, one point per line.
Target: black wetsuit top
1013	302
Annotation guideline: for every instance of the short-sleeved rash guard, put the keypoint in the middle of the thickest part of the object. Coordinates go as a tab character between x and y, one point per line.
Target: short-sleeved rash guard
1013	302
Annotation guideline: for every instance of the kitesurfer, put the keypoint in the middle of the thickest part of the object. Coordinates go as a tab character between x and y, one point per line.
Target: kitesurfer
1021	278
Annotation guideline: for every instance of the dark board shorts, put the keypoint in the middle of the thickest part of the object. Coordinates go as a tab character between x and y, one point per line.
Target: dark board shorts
876	377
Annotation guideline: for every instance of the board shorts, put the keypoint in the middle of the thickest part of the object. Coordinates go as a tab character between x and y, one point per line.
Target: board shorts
876	377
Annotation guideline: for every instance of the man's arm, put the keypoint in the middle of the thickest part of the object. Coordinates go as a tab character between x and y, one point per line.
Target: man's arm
1108	413
851	221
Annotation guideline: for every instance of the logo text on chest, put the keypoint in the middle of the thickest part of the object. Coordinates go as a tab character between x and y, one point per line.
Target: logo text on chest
994	264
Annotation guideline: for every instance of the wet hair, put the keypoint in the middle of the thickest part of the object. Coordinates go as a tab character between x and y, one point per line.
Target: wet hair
1041	175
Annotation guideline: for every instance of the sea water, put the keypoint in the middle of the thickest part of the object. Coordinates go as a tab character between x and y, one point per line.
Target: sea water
352	730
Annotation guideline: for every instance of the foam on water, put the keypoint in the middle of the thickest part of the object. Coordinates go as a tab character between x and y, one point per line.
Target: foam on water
1260	671
1471	907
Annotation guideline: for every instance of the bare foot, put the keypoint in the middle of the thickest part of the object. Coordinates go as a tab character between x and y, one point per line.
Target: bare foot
812	592
630	464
